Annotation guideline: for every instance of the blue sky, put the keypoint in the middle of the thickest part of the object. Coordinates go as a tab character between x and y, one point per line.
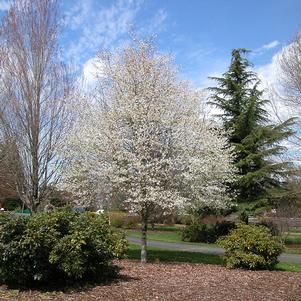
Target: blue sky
200	34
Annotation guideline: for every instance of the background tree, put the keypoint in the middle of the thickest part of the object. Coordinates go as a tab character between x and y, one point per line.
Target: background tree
8	169
289	94
290	64
34	90
256	141
288	89
146	139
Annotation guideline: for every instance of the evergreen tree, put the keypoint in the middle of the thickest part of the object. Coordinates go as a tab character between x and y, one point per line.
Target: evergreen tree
256	141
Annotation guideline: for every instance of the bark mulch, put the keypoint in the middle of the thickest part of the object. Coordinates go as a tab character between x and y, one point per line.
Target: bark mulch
163	281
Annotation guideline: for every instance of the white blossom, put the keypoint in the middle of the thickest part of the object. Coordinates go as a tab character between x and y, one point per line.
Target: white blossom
147	138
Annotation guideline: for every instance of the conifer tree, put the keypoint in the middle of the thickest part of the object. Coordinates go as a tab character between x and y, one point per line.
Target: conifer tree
256	140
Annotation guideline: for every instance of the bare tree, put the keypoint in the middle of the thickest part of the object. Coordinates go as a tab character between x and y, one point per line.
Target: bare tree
290	80
35	88
290	63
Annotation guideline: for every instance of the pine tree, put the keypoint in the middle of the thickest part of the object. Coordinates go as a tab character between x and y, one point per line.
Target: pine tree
255	139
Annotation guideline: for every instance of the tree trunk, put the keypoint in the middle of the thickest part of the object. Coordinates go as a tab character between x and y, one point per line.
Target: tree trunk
143	240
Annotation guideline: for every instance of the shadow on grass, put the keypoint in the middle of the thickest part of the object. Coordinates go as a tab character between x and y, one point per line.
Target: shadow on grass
155	254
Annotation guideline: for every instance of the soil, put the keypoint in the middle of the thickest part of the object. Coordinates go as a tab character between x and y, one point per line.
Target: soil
163	281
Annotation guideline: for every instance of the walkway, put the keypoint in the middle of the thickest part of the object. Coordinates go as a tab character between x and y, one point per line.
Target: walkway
284	257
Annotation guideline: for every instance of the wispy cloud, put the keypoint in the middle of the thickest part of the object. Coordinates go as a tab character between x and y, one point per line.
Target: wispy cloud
266	47
99	27
156	23
4	5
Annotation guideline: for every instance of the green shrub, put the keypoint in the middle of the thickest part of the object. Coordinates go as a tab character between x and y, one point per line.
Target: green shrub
184	219
61	245
223	228
12	204
251	247
119	219
208	233
270	225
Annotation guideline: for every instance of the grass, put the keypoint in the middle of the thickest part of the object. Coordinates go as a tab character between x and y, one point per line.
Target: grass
173	234
158	255
293	236
292	250
168	236
292	239
295	229
288	267
174	228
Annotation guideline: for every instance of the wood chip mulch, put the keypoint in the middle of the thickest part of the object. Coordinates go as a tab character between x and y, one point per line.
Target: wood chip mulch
162	281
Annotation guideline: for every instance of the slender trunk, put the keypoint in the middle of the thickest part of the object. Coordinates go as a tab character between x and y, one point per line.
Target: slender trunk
143	240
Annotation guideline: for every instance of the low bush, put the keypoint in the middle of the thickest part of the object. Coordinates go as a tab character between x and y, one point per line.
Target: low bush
60	246
208	233
119	219
184	219
251	247
270	225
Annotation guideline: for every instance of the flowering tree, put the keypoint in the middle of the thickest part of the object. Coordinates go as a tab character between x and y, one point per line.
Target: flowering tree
147	138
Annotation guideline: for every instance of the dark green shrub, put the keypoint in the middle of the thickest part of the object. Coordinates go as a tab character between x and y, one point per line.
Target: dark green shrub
251	247
12	204
223	228
61	245
208	233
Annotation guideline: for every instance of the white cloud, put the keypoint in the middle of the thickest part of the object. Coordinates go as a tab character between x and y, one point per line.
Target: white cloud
271	45
269	73
266	47
4	5
92	70
98	27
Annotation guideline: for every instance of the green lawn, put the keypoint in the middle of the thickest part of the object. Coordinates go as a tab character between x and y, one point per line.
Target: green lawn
168	236
295	229
173	234
293	236
157	254
292	239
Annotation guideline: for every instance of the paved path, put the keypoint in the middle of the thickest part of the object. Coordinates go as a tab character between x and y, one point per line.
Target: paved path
284	257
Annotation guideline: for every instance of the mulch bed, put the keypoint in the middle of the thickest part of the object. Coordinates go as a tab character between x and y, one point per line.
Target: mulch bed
163	281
